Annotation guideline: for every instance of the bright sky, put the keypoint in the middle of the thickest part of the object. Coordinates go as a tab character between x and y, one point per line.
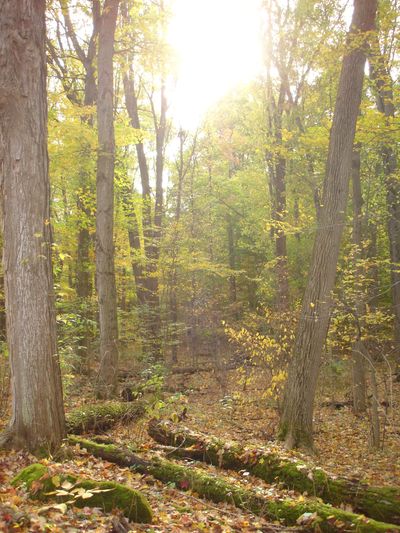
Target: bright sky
219	46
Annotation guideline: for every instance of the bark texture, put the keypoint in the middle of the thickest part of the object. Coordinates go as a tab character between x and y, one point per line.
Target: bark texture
296	427
107	384
37	420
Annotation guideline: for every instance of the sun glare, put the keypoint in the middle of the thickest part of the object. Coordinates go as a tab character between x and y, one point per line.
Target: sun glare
218	46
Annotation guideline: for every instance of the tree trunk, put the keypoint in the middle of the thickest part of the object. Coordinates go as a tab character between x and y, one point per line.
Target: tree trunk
358	351
150	309
385	105
37	420
277	185
107	379
296	426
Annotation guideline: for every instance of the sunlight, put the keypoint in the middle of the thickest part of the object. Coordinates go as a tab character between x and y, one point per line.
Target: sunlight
218	45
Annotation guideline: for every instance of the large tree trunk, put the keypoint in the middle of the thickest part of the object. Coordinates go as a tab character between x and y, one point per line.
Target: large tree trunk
37	420
107	379
296	425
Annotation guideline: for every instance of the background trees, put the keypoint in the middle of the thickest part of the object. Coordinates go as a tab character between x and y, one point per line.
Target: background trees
209	232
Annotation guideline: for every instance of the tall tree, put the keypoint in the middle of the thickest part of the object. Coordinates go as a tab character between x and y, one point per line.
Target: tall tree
105	272
358	348
296	424
37	408
66	73
383	81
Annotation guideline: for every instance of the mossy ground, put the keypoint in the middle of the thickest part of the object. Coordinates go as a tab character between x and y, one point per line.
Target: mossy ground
107	495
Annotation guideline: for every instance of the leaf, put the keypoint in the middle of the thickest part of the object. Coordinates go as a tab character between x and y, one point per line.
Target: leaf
56	480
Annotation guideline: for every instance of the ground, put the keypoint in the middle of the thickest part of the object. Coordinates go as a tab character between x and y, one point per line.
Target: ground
224	409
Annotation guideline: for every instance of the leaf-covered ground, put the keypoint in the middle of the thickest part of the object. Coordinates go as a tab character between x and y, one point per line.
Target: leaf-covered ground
342	440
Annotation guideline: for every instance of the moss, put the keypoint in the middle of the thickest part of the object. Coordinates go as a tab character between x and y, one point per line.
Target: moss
381	503
42	486
109	452
218	490
102	416
287	511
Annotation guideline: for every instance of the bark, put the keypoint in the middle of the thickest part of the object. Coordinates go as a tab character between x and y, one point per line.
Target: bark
217	489
37	420
107	383
381	503
296	426
358	350
102	416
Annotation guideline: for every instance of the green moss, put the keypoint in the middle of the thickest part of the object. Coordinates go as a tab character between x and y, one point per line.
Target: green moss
109	452
288	511
101	416
42	486
381	503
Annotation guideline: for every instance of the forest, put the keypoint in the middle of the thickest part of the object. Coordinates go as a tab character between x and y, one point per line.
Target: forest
200	281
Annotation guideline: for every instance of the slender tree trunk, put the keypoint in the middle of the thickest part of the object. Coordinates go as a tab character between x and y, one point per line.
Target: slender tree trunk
296	425
148	292
37	420
106	289
385	105
358	350
277	176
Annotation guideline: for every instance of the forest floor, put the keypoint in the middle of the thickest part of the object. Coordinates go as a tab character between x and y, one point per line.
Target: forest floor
223	409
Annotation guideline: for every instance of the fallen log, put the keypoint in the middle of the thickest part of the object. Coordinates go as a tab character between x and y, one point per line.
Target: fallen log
101	416
380	503
202	368
70	490
310	513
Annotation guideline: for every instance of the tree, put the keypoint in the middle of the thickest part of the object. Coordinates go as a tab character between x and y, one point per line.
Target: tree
106	289
37	406
380	74
296	424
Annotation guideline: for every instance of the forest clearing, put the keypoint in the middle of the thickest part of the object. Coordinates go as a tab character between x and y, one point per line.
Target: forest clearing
200	283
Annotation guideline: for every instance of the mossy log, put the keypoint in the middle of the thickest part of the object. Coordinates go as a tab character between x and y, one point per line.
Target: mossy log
101	416
380	503
66	488
310	513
